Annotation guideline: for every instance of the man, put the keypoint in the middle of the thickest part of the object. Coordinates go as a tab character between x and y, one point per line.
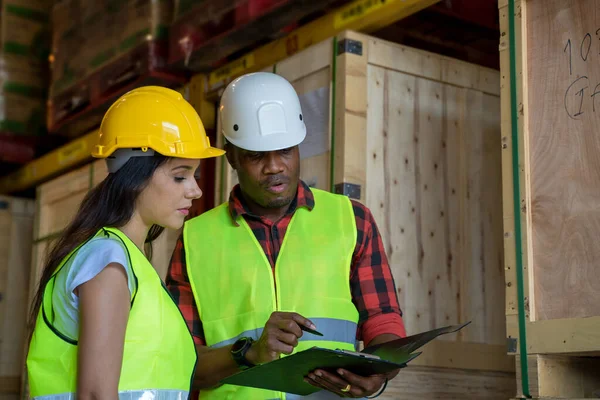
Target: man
249	274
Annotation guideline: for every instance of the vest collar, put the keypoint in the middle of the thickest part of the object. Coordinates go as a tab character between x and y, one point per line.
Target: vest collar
238	206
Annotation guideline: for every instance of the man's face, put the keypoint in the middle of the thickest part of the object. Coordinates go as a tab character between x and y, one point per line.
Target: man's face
270	179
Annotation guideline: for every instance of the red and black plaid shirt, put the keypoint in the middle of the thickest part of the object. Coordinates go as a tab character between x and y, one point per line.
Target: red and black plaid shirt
371	281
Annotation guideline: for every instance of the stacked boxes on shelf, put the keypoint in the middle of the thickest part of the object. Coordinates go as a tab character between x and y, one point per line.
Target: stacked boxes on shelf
97	46
204	34
24	27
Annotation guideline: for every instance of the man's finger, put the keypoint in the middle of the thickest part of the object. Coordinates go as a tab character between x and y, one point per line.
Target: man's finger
291	326
277	346
367	383
315	383
287	338
326	384
303	321
332	379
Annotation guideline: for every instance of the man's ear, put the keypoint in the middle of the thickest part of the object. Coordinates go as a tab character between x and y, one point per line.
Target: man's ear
230	154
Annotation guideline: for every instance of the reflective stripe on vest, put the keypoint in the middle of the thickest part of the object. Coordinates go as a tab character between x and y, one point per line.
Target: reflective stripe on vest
233	285
336	330
130	395
164	359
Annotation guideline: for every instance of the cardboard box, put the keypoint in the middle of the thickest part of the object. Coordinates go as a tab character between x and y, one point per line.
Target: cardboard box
25	28
22	96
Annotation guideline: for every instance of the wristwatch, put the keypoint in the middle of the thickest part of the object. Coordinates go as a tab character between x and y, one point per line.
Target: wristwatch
239	350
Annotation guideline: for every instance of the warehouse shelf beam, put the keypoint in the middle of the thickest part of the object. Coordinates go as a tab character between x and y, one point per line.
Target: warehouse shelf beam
360	15
50	165
363	16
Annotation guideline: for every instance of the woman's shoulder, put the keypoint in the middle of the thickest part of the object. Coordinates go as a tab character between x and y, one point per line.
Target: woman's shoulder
102	246
94	255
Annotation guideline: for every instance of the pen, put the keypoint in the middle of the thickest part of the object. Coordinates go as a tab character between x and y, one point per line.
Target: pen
310	330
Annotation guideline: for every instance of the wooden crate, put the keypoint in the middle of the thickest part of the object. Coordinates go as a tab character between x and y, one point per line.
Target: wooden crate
550	194
416	140
16	233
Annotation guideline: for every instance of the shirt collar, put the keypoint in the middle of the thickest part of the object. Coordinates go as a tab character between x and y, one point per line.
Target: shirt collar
238	206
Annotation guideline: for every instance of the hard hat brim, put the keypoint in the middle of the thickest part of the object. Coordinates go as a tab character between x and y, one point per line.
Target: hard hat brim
211	152
273	142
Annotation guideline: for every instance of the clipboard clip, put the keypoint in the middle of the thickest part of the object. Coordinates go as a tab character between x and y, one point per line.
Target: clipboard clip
359	354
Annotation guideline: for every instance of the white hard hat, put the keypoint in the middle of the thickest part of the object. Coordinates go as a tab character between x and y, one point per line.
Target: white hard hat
261	112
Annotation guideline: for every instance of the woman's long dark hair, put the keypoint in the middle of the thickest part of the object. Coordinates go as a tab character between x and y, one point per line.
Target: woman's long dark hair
110	204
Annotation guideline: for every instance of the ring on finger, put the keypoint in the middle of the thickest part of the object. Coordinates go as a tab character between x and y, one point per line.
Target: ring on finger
346	389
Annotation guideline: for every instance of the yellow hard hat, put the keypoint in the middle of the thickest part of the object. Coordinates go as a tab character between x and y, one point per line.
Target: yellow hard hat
157	118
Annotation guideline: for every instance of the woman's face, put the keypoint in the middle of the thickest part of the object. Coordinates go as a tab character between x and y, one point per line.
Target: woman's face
169	194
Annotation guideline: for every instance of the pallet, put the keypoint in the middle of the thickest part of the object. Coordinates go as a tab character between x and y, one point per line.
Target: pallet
199	44
81	108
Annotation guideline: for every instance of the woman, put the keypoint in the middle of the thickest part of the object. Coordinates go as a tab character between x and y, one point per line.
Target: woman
104	325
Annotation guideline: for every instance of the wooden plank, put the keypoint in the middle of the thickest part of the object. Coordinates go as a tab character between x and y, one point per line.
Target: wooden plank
491	222
306	62
573	335
16	234
433	66
99	172
561	377
351	116
510	261
453	144
474	288
445	384
60	199
431	249
395	188
464	355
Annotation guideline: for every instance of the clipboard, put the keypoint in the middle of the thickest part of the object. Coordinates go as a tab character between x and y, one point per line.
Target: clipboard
287	373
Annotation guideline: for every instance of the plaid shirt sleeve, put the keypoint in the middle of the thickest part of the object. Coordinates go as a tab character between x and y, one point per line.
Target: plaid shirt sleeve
371	281
178	284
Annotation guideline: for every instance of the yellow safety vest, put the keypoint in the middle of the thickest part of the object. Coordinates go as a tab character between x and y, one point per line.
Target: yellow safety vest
159	356
233	286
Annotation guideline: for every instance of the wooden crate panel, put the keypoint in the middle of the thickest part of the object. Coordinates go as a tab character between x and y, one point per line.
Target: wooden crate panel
99	171
561	132
39	252
16	234
433	185
555	145
59	200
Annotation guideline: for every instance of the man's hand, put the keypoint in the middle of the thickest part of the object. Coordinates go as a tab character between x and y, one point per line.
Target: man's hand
280	335
345	383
